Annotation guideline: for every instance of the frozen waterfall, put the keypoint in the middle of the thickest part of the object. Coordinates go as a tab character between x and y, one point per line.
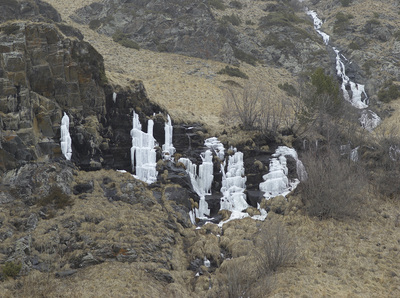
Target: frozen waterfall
352	92
201	183
143	154
234	184
168	149
276	181
66	142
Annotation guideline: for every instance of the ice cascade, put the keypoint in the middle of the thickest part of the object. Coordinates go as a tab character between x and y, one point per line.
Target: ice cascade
143	154
168	149
276	181
201	183
234	184
352	92
66	142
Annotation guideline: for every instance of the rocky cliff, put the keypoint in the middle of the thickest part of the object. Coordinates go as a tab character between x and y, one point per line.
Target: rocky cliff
45	73
272	33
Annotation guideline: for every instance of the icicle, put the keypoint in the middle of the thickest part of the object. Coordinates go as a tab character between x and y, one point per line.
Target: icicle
66	142
201	183
114	97
168	149
143	154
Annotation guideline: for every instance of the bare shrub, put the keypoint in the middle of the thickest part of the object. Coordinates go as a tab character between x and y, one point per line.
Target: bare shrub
253	109
334	185
276	248
382	159
242	279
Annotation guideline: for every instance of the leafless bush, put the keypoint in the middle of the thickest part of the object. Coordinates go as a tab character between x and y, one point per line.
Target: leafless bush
237	284
334	185
254	109
276	248
382	159
243	105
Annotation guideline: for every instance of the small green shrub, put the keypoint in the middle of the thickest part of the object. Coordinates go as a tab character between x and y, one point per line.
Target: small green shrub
124	40
281	18
345	3
245	57
396	35
94	24
354	46
342	22
10	29
11	269
12	3
236	4
289	89
233	72
280	44
56	198
233	19
388	92
373	22
368	65
217	4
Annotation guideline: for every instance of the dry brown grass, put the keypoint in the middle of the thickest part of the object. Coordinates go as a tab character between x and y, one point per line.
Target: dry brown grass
188	87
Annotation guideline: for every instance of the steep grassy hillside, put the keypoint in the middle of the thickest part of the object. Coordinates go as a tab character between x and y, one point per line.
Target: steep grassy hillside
102	233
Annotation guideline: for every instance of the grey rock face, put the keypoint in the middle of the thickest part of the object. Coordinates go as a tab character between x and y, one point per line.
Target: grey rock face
191	28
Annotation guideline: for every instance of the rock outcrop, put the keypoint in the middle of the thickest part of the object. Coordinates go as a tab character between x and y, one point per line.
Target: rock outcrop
44	73
278	34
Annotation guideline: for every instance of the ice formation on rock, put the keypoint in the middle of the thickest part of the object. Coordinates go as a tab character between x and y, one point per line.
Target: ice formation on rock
143	154
168	149
318	25
352	153
352	92
216	146
114	97
369	120
66	142
276	181
234	184
201	183
357	97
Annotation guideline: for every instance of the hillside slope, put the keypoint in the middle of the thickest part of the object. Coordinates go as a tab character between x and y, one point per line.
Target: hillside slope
101	232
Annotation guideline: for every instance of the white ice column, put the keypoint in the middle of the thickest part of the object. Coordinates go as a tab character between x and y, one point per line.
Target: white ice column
276	181
201	183
66	142
143	154
234	185
168	149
